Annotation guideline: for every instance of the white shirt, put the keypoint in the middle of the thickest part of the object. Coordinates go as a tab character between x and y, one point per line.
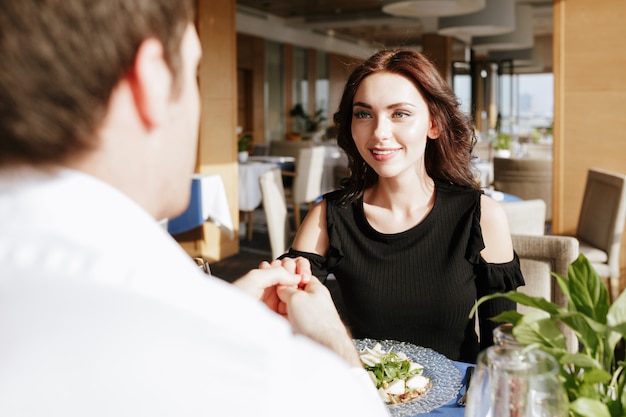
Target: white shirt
103	314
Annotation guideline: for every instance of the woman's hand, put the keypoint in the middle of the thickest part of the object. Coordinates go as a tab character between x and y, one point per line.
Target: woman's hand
262	283
298	265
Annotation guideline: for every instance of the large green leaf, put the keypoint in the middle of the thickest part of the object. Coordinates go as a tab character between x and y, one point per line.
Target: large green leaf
597	375
521	298
587	291
580	360
616	318
563	283
536	328
589	408
617	311
510	316
584	332
616	333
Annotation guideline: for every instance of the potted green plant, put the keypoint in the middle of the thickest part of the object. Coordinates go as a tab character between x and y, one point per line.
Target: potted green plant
243	147
594	378
502	144
305	122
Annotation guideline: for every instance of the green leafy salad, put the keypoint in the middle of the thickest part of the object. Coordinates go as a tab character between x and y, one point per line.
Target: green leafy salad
397	378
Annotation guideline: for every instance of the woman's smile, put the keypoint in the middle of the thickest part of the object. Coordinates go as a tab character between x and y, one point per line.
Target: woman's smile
384	154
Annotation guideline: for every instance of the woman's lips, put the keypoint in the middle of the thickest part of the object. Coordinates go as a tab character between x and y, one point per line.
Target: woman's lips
383	154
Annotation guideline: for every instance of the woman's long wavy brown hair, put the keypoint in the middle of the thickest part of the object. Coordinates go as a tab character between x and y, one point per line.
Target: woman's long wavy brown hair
447	158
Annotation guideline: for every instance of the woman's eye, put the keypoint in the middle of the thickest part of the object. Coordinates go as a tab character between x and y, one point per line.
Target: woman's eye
360	114
400	115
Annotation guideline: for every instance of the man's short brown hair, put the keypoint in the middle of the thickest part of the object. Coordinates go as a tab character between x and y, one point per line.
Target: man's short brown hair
61	59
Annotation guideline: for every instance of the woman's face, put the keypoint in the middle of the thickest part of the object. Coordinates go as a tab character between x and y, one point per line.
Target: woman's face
390	124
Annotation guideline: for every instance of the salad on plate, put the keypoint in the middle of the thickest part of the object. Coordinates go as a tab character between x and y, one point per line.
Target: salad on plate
397	377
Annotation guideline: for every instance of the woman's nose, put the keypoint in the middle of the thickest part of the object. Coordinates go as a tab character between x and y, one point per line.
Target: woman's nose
382	128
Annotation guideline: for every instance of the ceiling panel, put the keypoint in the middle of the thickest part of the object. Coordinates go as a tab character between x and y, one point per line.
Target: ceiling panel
363	20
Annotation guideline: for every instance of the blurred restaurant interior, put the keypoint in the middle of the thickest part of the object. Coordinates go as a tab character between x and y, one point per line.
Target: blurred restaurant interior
263	58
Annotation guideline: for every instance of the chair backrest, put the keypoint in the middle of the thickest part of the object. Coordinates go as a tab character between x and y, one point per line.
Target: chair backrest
539	256
526	178
275	207
483	150
603	212
538	150
307	185
526	217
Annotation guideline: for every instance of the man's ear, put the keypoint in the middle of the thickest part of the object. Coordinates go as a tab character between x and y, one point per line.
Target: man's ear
151	82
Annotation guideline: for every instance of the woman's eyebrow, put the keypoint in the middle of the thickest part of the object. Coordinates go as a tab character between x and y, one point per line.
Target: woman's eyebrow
361	104
391	106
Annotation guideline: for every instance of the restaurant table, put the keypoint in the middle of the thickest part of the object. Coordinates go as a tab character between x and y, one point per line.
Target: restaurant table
208	202
272	159
249	190
285	163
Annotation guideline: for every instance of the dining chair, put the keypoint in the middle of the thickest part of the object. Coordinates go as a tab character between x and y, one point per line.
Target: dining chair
526	216
538	150
601	224
275	207
307	180
539	256
526	178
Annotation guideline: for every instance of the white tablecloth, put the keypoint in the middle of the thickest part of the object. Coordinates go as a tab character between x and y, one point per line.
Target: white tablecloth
272	159
208	203
249	189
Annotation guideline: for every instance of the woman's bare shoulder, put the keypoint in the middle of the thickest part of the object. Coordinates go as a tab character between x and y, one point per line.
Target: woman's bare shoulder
495	230
312	235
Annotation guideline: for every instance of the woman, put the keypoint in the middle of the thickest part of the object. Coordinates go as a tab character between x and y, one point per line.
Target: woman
409	237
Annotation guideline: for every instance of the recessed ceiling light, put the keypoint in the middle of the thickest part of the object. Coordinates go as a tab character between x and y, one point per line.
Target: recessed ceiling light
497	18
418	8
520	38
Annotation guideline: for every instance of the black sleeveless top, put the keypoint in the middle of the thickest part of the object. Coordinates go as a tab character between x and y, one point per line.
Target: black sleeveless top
418	285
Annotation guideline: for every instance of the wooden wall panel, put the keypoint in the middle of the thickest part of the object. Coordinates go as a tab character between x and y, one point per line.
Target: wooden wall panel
251	57
339	69
217	152
439	50
590	100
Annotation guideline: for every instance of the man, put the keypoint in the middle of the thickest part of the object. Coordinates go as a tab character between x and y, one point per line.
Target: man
101	312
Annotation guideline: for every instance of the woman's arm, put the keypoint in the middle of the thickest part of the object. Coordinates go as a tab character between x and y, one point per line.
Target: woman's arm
312	236
495	230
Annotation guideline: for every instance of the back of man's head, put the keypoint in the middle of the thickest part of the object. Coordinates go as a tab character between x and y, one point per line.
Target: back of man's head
61	59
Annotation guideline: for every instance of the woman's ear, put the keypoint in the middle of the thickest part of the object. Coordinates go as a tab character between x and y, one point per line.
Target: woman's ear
433	131
151	83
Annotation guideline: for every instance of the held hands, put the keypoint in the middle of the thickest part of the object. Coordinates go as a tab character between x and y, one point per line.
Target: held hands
312	313
262	283
287	288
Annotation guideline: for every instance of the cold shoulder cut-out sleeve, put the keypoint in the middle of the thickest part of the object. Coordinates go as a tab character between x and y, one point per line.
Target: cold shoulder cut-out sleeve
490	279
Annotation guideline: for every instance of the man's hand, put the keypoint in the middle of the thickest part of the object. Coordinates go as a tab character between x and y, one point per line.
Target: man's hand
312	312
262	283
